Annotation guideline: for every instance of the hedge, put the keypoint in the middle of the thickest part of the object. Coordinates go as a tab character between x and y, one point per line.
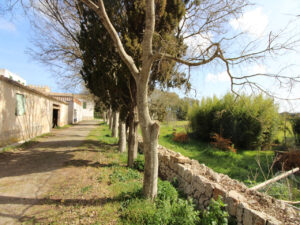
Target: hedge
250	122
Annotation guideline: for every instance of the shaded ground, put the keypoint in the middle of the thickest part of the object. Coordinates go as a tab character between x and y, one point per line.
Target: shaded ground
56	171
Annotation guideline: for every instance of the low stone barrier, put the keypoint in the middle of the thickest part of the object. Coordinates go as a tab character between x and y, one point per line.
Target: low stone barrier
202	184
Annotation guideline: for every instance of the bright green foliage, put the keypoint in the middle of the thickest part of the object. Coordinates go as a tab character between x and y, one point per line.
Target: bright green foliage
249	121
296	128
139	163
215	213
167	208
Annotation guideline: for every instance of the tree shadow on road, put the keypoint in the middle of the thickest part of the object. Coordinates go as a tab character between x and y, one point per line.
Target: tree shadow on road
49	155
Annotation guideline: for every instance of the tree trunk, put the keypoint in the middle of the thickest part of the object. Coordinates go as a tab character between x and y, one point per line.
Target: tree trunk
122	136
132	139
115	125
104	116
111	118
150	131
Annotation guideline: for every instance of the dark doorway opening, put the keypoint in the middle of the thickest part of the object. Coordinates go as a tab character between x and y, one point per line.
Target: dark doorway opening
55	118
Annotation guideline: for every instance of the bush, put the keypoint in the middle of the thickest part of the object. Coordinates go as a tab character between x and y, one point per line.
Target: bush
139	164
167	208
215	213
248	121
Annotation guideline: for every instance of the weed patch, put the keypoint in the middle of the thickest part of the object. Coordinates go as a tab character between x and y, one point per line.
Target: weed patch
86	189
215	213
124	175
139	163
167	208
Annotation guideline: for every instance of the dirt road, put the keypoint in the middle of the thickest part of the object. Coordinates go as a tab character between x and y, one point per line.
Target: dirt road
27	174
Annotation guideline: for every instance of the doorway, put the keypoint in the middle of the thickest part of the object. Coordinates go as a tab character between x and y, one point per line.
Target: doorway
55	116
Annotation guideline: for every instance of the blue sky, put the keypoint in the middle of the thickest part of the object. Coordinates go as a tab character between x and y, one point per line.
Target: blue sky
14	43
266	15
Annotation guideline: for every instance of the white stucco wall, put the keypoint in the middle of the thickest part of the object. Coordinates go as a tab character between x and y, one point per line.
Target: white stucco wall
88	113
75	117
37	119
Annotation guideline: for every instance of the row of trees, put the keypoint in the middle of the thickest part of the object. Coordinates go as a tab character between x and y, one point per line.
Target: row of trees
123	49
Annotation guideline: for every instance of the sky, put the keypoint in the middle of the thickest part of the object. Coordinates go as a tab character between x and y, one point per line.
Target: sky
15	33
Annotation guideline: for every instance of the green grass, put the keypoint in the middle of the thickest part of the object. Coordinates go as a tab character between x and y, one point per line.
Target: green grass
125	188
242	166
106	135
63	127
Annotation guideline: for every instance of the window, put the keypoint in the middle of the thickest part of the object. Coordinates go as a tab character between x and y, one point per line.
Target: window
20	105
84	105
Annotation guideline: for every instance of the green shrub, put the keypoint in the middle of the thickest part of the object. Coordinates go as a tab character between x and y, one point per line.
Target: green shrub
248	121
167	208
165	191
183	212
139	164
215	213
296	128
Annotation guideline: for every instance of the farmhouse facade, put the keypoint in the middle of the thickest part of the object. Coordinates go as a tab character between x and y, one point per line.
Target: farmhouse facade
81	104
29	111
26	113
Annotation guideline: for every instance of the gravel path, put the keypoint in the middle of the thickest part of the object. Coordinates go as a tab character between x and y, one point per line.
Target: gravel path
27	174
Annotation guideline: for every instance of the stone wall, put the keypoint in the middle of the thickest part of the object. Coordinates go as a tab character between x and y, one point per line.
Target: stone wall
202	184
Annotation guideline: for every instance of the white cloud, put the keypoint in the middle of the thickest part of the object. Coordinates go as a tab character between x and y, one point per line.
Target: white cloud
258	69
254	22
219	77
6	25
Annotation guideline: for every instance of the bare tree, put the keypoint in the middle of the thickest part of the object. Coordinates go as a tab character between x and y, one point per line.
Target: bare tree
55	26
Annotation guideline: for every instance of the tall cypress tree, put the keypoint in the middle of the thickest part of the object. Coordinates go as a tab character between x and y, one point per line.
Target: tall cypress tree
105	73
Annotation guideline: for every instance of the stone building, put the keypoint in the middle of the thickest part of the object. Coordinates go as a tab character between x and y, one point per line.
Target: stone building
26	112
81	106
86	102
29	111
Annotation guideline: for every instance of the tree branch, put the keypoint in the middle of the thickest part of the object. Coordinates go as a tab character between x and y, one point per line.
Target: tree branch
101	12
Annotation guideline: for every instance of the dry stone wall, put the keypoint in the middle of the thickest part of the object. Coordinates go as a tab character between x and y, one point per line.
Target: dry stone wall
202	184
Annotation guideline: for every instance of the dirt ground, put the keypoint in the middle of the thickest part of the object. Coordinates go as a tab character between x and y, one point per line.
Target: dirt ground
28	175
